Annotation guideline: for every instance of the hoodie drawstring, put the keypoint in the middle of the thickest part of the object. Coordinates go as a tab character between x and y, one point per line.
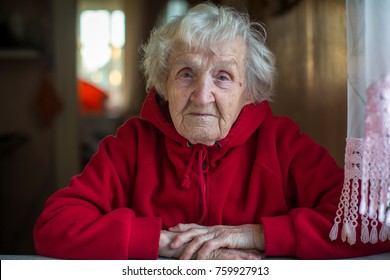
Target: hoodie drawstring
203	167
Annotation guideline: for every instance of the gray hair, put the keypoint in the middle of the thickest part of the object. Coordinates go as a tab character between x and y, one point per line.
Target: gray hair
206	26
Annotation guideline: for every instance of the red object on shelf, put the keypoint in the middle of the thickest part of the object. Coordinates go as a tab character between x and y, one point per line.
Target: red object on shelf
91	97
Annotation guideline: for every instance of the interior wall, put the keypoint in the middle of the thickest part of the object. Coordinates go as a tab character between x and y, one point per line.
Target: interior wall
308	39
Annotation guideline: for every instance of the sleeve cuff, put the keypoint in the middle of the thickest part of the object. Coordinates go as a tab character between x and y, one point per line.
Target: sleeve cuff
144	238
279	236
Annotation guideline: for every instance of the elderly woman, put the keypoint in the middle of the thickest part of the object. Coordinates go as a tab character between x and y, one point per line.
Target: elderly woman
206	171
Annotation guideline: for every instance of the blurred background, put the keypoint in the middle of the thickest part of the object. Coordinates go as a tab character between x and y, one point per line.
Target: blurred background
69	75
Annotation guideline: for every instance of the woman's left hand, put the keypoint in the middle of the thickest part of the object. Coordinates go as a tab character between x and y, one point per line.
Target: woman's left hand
202	241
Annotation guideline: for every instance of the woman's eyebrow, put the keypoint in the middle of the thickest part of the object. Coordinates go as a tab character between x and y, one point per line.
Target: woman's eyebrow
226	65
232	63
183	62
185	59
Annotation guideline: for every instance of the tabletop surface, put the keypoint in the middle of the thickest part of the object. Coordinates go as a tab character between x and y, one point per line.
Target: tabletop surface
384	256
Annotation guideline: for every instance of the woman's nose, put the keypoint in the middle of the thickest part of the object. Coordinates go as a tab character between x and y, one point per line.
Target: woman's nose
203	92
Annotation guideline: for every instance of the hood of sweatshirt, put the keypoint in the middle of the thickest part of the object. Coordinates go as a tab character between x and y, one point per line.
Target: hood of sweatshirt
198	158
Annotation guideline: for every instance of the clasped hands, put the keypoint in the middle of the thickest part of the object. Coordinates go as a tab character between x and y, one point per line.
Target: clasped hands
193	241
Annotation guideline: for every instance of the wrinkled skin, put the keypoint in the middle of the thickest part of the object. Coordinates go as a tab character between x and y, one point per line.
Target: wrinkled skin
206	91
192	241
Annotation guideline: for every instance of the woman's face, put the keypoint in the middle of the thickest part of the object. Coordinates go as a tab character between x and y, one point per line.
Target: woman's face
205	91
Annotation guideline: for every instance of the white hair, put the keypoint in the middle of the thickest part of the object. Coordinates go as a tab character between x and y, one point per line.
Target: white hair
205	27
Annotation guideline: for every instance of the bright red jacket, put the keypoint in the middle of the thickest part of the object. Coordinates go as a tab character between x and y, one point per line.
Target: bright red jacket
147	177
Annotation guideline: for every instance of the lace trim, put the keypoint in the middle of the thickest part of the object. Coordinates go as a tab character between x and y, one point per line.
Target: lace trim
367	166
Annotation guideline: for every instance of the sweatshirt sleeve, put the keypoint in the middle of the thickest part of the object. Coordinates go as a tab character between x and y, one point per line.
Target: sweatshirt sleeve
312	183
92	217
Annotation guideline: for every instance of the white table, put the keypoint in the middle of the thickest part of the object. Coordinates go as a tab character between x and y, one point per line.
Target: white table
384	256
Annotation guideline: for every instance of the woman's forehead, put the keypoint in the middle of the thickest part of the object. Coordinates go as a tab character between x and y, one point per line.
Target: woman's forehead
229	53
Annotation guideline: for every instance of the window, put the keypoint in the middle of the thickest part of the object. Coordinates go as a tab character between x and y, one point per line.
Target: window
100	64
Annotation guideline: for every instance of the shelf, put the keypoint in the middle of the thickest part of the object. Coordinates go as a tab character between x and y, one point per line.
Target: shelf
19	54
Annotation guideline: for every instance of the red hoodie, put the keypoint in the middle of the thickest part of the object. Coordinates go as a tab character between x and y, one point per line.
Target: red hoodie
147	177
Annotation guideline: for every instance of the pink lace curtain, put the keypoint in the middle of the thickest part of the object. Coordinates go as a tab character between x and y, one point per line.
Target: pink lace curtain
365	199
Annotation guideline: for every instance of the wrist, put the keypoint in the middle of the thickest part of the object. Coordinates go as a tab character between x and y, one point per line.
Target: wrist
258	237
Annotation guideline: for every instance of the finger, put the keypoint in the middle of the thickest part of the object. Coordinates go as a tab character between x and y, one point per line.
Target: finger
209	247
187	236
185	227
223	254
179	240
234	254
193	247
250	254
226	254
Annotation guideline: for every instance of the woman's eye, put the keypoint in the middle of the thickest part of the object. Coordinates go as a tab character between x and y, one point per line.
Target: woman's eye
186	75
223	78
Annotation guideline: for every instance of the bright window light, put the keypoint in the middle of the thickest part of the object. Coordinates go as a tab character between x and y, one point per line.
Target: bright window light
117	29
101	61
